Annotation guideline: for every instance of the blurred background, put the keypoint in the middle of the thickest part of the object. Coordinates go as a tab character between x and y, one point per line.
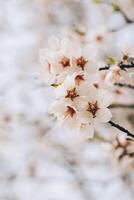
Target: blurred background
38	160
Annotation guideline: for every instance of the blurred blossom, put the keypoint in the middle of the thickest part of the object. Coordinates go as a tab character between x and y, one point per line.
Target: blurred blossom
39	159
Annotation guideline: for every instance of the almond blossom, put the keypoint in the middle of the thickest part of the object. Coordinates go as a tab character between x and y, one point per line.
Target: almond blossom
83	59
82	91
94	108
66	57
79	86
83	111
116	74
75	85
56	58
66	113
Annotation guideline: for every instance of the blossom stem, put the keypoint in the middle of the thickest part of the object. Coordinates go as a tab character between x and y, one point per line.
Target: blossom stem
121	128
122	106
125	85
104	68
117	8
122	66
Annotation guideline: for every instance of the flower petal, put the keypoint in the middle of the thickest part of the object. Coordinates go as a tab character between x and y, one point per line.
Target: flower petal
104	115
87	130
54	43
90	51
105	98
85	117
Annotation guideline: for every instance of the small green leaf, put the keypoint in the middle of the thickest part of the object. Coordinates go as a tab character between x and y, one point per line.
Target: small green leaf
115	7
111	60
55	84
97	1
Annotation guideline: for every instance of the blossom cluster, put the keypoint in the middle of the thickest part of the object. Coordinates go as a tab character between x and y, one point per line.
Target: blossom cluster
82	90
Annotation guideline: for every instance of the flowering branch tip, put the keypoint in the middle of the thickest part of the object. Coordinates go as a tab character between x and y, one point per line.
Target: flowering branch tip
125	85
131	106
83	95
121	128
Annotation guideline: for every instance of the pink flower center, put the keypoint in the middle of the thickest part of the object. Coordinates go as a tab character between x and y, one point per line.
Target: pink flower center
70	111
65	62
96	85
118	92
78	79
125	57
99	38
49	67
72	94
93	108
80	62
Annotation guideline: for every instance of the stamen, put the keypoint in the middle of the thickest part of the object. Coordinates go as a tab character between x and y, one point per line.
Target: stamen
72	94
80	62
70	111
125	85
49	67
78	79
125	57
118	92
96	85
65	62
99	38
93	108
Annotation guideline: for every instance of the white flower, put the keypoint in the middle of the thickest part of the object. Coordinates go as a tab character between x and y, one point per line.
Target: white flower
83	59
81	97
72	89
120	94
116	74
87	130
69	117
81	106
45	58
77	86
55	59
94	109
66	113
97	80
99	37
57	44
64	58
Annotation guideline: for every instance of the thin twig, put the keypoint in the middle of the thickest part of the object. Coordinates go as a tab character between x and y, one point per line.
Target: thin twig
124	85
104	68
121	129
131	106
122	66
129	21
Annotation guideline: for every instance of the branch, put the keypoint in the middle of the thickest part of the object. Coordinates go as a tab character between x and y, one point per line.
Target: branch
124	85
122	66
121	129
117	8
104	68
131	106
